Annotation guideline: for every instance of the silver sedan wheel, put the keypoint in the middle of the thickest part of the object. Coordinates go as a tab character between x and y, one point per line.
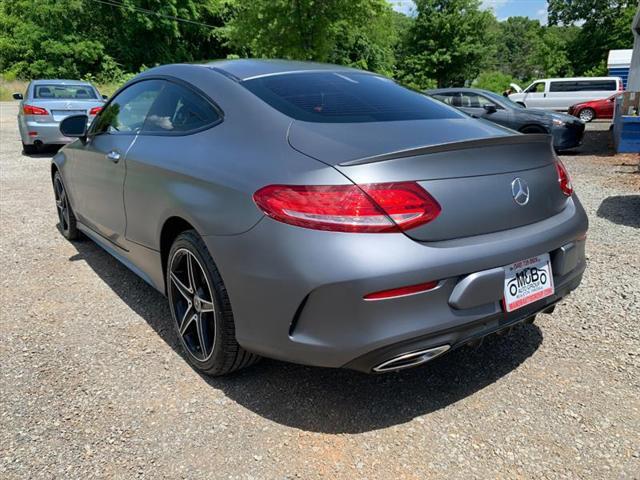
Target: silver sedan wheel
192	304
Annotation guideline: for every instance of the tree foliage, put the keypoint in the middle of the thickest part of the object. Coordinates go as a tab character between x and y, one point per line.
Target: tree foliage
357	32
450	42
446	42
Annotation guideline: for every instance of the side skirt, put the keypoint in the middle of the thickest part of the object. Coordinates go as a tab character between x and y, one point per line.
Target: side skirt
147	264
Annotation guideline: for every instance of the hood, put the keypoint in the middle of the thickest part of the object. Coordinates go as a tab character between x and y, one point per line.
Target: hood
335	143
516	87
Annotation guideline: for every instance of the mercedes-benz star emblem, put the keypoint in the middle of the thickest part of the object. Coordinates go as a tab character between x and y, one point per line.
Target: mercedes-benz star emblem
520	191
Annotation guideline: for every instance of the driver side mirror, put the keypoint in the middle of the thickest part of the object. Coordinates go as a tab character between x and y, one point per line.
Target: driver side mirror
490	108
105	97
74	126
18	96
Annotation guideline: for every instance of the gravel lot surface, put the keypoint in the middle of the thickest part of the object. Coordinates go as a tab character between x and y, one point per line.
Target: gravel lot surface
93	384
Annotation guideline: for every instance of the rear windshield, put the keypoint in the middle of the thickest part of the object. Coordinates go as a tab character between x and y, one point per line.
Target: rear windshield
76	92
345	97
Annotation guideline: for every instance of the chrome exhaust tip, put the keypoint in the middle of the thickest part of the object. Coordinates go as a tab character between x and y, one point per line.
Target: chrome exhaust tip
410	359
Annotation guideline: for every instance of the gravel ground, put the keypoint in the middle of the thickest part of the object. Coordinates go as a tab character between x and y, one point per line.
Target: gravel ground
93	384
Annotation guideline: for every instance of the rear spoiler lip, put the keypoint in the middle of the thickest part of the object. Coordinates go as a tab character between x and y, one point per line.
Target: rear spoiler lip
519	139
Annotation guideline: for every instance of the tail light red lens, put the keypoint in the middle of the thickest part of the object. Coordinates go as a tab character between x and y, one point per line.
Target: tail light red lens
95	110
563	179
382	208
402	291
31	110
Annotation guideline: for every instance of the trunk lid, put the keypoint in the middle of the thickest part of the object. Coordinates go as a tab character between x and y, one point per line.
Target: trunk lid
471	178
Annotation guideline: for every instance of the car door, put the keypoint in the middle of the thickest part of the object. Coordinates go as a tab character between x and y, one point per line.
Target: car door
99	164
535	95
481	106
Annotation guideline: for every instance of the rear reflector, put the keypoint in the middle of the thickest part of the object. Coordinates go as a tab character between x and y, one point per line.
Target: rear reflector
31	110
95	110
33	134
382	208
563	178
402	291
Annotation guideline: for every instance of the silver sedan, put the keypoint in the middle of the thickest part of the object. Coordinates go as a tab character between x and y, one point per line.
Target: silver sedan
46	103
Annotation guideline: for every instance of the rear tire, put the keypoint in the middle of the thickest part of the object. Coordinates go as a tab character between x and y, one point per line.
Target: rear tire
67	220
201	310
29	149
587	114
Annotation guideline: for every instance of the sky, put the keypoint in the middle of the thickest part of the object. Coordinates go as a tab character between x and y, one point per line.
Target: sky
536	9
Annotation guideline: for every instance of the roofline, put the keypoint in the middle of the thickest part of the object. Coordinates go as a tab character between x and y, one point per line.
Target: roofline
313	70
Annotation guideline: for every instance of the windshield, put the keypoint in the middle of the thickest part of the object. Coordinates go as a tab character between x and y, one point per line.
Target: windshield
66	92
504	100
345	97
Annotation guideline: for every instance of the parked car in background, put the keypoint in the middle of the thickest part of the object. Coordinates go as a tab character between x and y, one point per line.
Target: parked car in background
567	131
561	93
601	109
319	214
46	103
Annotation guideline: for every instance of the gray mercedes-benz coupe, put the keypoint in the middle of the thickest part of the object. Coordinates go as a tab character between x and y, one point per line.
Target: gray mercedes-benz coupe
319	214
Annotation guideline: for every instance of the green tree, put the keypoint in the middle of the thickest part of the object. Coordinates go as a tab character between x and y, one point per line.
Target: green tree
605	25
357	32
449	43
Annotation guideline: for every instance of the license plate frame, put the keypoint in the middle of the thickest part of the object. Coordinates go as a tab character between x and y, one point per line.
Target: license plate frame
527	281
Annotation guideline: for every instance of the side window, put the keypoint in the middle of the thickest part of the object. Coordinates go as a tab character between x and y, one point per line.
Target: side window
473	100
537	87
443	97
179	110
127	111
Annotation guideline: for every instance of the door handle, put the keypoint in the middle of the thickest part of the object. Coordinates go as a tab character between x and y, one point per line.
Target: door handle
113	156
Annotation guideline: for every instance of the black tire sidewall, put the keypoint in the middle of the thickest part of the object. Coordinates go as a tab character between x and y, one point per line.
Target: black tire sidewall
72	231
191	241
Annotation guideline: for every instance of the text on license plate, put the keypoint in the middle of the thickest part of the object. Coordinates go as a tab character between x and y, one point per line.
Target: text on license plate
527	281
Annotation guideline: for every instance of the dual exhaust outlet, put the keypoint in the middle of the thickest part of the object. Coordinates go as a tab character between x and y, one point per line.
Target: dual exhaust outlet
411	359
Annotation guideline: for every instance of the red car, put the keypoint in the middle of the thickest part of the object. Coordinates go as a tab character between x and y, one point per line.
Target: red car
587	111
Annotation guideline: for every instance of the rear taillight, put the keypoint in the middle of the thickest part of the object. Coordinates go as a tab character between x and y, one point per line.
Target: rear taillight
382	207
31	110
563	178
95	110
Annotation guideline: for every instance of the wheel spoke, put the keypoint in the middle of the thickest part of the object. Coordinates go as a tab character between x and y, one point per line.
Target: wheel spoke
201	340
206	306
187	319
190	274
182	288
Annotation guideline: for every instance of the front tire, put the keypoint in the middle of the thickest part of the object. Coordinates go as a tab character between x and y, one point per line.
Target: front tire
587	114
201	310
67	219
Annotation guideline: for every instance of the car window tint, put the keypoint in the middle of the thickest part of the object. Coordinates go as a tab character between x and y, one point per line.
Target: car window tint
473	100
536	88
345	97
127	111
583	86
179	109
64	92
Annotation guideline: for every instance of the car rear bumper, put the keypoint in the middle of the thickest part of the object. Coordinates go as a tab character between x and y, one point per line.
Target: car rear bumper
33	132
297	294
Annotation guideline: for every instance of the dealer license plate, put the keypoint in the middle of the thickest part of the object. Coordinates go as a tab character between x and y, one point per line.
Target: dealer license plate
527	281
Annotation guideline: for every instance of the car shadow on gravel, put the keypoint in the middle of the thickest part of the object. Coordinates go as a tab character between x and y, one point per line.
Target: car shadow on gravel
621	209
331	400
595	142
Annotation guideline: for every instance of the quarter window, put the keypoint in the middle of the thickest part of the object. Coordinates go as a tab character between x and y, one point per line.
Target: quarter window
127	111
179	110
